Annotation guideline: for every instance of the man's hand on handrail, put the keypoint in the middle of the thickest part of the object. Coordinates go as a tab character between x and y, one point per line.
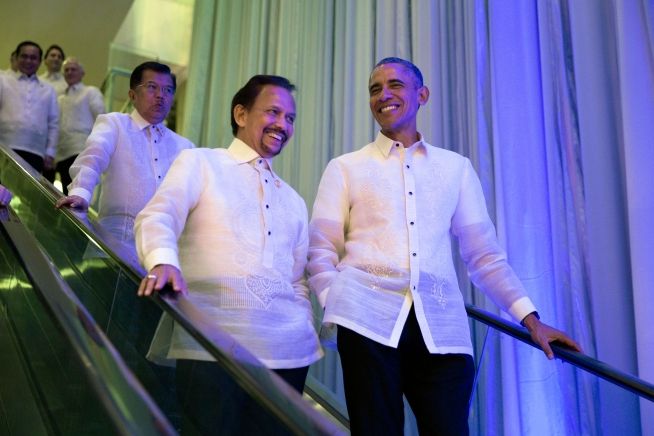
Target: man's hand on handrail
74	201
543	334
158	277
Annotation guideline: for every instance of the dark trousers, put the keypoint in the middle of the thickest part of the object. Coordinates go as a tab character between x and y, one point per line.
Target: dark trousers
437	386
34	160
63	168
213	403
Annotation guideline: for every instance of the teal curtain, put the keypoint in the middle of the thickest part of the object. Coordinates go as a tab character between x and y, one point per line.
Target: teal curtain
551	100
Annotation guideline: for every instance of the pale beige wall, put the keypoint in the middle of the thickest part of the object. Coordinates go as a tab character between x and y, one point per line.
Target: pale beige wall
83	28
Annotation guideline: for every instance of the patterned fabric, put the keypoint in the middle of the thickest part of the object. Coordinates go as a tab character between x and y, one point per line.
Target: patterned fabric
132	158
29	116
380	242
239	234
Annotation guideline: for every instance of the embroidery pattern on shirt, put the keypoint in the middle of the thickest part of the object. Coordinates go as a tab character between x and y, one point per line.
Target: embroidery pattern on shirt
432	192
378	273
373	189
265	289
438	288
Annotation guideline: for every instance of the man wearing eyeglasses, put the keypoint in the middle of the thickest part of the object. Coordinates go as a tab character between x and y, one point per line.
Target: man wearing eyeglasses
131	152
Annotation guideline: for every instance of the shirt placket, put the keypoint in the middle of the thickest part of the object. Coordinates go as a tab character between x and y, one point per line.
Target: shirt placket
411	219
154	139
266	182
29	101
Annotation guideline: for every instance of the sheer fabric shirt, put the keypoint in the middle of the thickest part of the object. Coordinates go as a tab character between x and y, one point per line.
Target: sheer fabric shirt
56	80
131	157
239	234
29	116
79	106
380	242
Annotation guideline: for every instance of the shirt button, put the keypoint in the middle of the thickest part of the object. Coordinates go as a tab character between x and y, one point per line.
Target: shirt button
414	254
408	166
267	207
266	180
156	159
412	223
260	161
269	232
159	176
397	145
410	192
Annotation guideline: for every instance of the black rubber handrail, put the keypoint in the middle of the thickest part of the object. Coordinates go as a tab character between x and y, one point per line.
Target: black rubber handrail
309	420
580	360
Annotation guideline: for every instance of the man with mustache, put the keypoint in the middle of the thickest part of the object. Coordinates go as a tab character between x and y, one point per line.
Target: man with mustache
381	265
239	235
131	152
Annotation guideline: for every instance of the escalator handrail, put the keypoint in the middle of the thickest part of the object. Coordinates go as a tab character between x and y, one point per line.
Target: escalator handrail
580	360
169	306
88	341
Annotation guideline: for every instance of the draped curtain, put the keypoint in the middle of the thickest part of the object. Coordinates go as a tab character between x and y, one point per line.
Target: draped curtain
553	103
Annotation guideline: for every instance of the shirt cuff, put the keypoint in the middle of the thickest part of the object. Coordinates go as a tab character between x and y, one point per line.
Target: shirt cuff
81	192
521	308
161	256
322	297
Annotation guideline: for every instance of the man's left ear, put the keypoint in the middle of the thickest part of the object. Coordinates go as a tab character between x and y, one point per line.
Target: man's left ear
132	95
423	95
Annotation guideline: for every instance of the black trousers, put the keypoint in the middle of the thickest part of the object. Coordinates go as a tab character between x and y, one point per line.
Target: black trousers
437	386
34	160
63	168
213	403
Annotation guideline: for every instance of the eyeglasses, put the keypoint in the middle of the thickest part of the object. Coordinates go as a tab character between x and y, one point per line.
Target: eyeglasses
152	88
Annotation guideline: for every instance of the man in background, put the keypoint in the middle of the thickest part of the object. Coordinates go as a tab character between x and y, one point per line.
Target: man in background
29	116
79	106
54	56
13	63
130	153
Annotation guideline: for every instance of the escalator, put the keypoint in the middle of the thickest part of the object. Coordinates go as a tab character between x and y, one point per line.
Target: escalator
59	373
48	387
103	276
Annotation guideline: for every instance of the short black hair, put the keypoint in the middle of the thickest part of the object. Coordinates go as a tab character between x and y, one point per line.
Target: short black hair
251	90
407	64
55	47
137	75
24	43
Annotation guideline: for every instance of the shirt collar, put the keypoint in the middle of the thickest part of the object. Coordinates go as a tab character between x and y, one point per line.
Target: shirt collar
77	87
385	144
22	76
142	123
53	76
139	120
243	153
